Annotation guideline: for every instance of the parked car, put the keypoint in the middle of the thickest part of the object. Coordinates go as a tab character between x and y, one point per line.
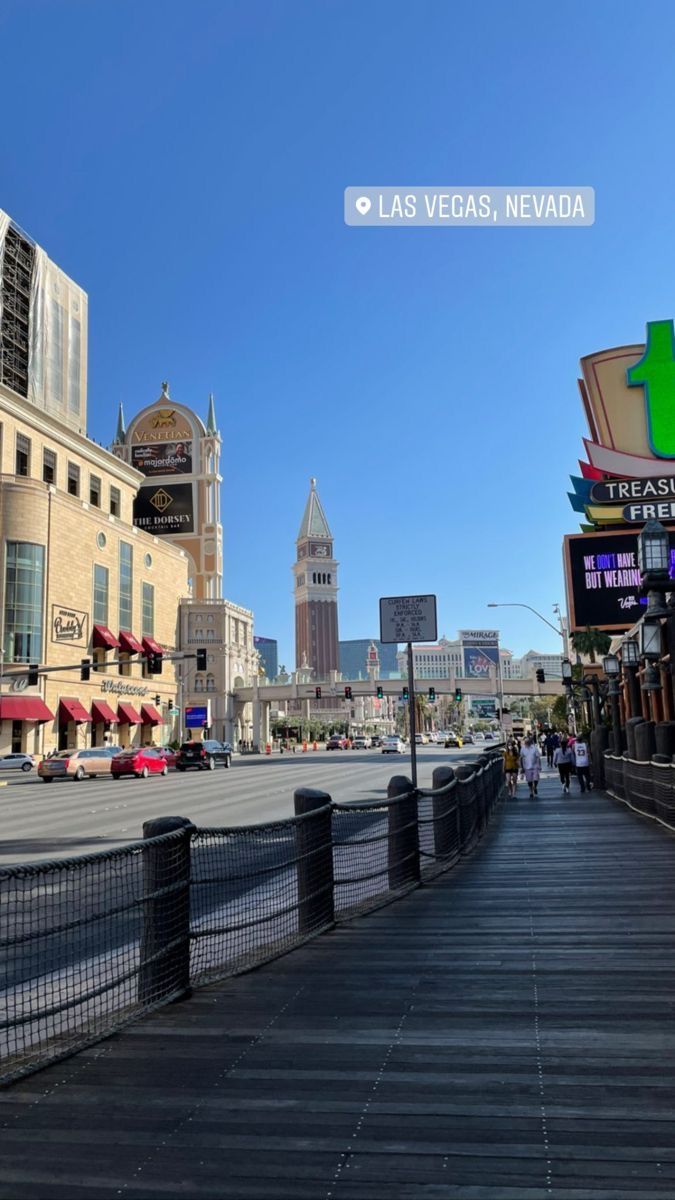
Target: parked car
467	739
140	761
204	755
361	742
393	744
78	764
337	742
375	741
16	762
453	741
421	739
170	756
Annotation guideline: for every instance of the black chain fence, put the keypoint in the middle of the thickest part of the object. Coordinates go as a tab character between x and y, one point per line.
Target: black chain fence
648	787
89	944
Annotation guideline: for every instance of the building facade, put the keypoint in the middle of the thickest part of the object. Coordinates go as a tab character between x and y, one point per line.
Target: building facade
354	658
441	660
226	631
316	591
269	655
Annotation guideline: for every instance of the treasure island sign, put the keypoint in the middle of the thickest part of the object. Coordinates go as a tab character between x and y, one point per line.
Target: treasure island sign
627	477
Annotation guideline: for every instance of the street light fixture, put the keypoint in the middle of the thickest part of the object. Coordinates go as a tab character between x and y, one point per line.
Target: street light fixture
650	639
630	652
566	671
611	666
516	604
654	550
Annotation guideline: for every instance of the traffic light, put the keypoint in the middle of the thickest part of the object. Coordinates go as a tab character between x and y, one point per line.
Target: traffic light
158	701
33	675
154	664
317	693
348	693
380	693
201	660
406	693
85	670
458	695
541	678
432	694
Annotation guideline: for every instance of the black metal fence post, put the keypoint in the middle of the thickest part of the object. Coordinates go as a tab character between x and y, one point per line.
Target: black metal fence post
445	812
314	844
165	944
404	846
467	805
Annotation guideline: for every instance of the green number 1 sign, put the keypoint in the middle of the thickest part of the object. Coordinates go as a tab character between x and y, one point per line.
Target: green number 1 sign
656	373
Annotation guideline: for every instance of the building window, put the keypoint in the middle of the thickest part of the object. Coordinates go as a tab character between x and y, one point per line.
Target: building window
22	455
95	491
115	502
24	586
99	660
55	351
199	683
148	561
101	591
48	466
124	662
73	479
74	354
210	683
126	584
18	260
148	611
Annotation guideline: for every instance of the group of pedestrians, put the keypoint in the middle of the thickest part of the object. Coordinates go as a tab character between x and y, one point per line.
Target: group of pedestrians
566	753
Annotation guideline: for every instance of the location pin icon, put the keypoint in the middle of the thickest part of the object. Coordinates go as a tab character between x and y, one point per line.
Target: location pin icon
363	205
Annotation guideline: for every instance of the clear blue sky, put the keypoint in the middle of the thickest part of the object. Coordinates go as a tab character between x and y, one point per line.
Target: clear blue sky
185	163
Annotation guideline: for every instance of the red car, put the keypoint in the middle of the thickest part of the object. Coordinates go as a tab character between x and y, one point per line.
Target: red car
143	761
337	742
168	755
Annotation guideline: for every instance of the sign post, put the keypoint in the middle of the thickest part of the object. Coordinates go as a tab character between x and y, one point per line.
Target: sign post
409	619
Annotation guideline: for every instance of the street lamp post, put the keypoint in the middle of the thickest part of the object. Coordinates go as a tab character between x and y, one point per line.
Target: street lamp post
612	668
630	657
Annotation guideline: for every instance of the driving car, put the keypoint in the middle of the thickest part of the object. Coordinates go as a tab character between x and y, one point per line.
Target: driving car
337	742
78	764
488	737
360	742
204	755
140	761
453	741
467	739
393	744
16	762
170	756
420	739
375	741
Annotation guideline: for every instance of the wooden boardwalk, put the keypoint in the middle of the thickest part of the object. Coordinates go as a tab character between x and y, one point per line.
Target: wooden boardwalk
505	1033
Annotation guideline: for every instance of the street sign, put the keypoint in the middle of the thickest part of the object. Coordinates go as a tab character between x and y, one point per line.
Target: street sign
408	619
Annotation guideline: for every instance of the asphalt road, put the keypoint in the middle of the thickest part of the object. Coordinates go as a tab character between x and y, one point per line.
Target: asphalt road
65	818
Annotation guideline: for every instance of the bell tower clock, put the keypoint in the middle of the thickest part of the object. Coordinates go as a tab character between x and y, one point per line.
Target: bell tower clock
316	589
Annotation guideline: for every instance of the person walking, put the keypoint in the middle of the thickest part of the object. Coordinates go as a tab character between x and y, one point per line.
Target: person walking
511	766
582	762
530	761
550	747
563	758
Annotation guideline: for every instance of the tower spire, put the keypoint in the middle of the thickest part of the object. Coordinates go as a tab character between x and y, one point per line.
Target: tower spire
121	425
314	523
211	426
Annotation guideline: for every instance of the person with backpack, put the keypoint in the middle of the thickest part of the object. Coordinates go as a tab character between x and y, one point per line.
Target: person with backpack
511	763
563	759
582	762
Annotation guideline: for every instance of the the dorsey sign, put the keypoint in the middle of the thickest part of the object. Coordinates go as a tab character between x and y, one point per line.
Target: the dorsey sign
165	509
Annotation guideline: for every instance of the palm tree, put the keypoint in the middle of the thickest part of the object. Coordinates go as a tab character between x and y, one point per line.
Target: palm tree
591	642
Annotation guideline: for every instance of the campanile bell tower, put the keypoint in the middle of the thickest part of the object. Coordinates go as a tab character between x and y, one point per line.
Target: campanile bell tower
316	588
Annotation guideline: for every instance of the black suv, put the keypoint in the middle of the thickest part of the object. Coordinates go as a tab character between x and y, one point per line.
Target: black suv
203	755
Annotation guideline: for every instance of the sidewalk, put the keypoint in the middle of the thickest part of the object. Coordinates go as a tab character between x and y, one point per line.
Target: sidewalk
504	1033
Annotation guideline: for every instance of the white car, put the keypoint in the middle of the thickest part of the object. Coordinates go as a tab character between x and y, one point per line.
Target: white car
360	742
393	744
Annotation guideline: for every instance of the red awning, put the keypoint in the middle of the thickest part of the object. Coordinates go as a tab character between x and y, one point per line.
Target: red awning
70	709
127	714
129	642
104	639
24	708
150	715
100	711
151	646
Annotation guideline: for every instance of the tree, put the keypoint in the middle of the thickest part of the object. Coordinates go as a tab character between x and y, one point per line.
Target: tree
591	642
559	712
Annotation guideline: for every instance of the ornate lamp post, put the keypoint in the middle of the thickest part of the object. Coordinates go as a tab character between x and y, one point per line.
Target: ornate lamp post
612	668
630	658
654	563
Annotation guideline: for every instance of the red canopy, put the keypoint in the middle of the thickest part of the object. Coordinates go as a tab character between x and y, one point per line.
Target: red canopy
100	711
70	709
151	646
128	714
150	715
104	639
24	708
129	642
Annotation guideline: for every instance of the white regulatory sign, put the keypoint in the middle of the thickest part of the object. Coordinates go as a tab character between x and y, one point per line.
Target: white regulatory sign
408	619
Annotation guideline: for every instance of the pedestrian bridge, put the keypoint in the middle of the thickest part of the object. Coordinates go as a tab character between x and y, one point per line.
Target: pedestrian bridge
503	1032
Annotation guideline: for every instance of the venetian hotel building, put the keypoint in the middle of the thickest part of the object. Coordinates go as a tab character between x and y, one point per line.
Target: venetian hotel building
77	580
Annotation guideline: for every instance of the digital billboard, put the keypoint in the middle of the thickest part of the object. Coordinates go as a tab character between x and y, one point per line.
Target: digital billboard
603	580
480	648
164	458
165	509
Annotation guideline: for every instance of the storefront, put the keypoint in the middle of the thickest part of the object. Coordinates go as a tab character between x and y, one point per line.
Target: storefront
21	720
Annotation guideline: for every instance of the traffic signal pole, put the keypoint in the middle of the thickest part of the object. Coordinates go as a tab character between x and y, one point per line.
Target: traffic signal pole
411	703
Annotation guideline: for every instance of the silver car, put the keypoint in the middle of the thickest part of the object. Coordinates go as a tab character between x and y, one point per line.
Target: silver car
16	762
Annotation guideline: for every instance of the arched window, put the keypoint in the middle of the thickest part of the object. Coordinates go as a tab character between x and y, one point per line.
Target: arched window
210	683
330	578
199	683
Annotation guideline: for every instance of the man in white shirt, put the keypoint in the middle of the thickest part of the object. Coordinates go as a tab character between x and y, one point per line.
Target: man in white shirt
530	761
582	762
